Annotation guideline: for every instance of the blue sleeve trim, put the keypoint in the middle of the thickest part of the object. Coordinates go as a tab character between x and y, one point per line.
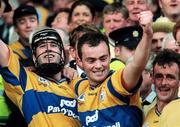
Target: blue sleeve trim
23	77
116	94
77	85
135	89
10	78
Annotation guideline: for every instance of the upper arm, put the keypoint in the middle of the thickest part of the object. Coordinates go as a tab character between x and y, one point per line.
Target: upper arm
131	76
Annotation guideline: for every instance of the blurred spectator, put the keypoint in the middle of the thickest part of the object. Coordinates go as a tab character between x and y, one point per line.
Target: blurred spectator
147	89
61	19
43	13
170	9
135	7
65	39
82	12
154	7
170	43
57	4
161	27
114	16
5	21
25	20
176	33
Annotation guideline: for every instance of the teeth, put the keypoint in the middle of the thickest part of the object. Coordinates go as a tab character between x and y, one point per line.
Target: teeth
49	56
164	89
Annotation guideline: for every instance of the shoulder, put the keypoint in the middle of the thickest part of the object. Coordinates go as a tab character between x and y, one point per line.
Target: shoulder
172	106
170	114
15	45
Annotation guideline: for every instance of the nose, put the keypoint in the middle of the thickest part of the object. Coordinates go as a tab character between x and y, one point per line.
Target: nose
98	64
112	25
135	5
28	24
48	47
53	23
164	81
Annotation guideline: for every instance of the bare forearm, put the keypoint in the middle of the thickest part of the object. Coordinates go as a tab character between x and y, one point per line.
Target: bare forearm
4	54
134	69
143	51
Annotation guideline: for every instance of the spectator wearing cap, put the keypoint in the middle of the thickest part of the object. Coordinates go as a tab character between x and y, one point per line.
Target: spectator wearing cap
126	40
25	20
170	9
161	27
115	16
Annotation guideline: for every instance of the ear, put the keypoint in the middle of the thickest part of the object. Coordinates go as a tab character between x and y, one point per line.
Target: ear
72	52
79	62
117	51
15	29
160	4
34	60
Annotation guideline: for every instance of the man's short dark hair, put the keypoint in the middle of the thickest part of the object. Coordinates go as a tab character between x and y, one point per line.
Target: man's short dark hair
93	40
167	56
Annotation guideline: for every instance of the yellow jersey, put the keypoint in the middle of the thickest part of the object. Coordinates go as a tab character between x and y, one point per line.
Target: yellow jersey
42	102
109	104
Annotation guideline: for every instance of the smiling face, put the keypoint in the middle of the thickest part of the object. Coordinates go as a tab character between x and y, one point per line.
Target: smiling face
135	7
170	8
113	21
166	80
48	52
25	25
81	15
95	62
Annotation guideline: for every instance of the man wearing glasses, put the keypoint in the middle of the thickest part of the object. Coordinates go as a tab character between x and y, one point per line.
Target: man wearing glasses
176	34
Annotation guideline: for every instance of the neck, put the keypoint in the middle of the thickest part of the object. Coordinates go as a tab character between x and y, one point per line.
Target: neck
57	76
160	105
24	41
174	17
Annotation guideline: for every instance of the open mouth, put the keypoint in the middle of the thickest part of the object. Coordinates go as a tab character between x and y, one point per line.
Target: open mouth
164	89
49	56
173	5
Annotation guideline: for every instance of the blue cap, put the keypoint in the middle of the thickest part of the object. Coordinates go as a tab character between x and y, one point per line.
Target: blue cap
24	10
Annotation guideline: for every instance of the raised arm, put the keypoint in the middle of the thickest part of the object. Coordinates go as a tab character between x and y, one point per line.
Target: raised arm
133	70
4	54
